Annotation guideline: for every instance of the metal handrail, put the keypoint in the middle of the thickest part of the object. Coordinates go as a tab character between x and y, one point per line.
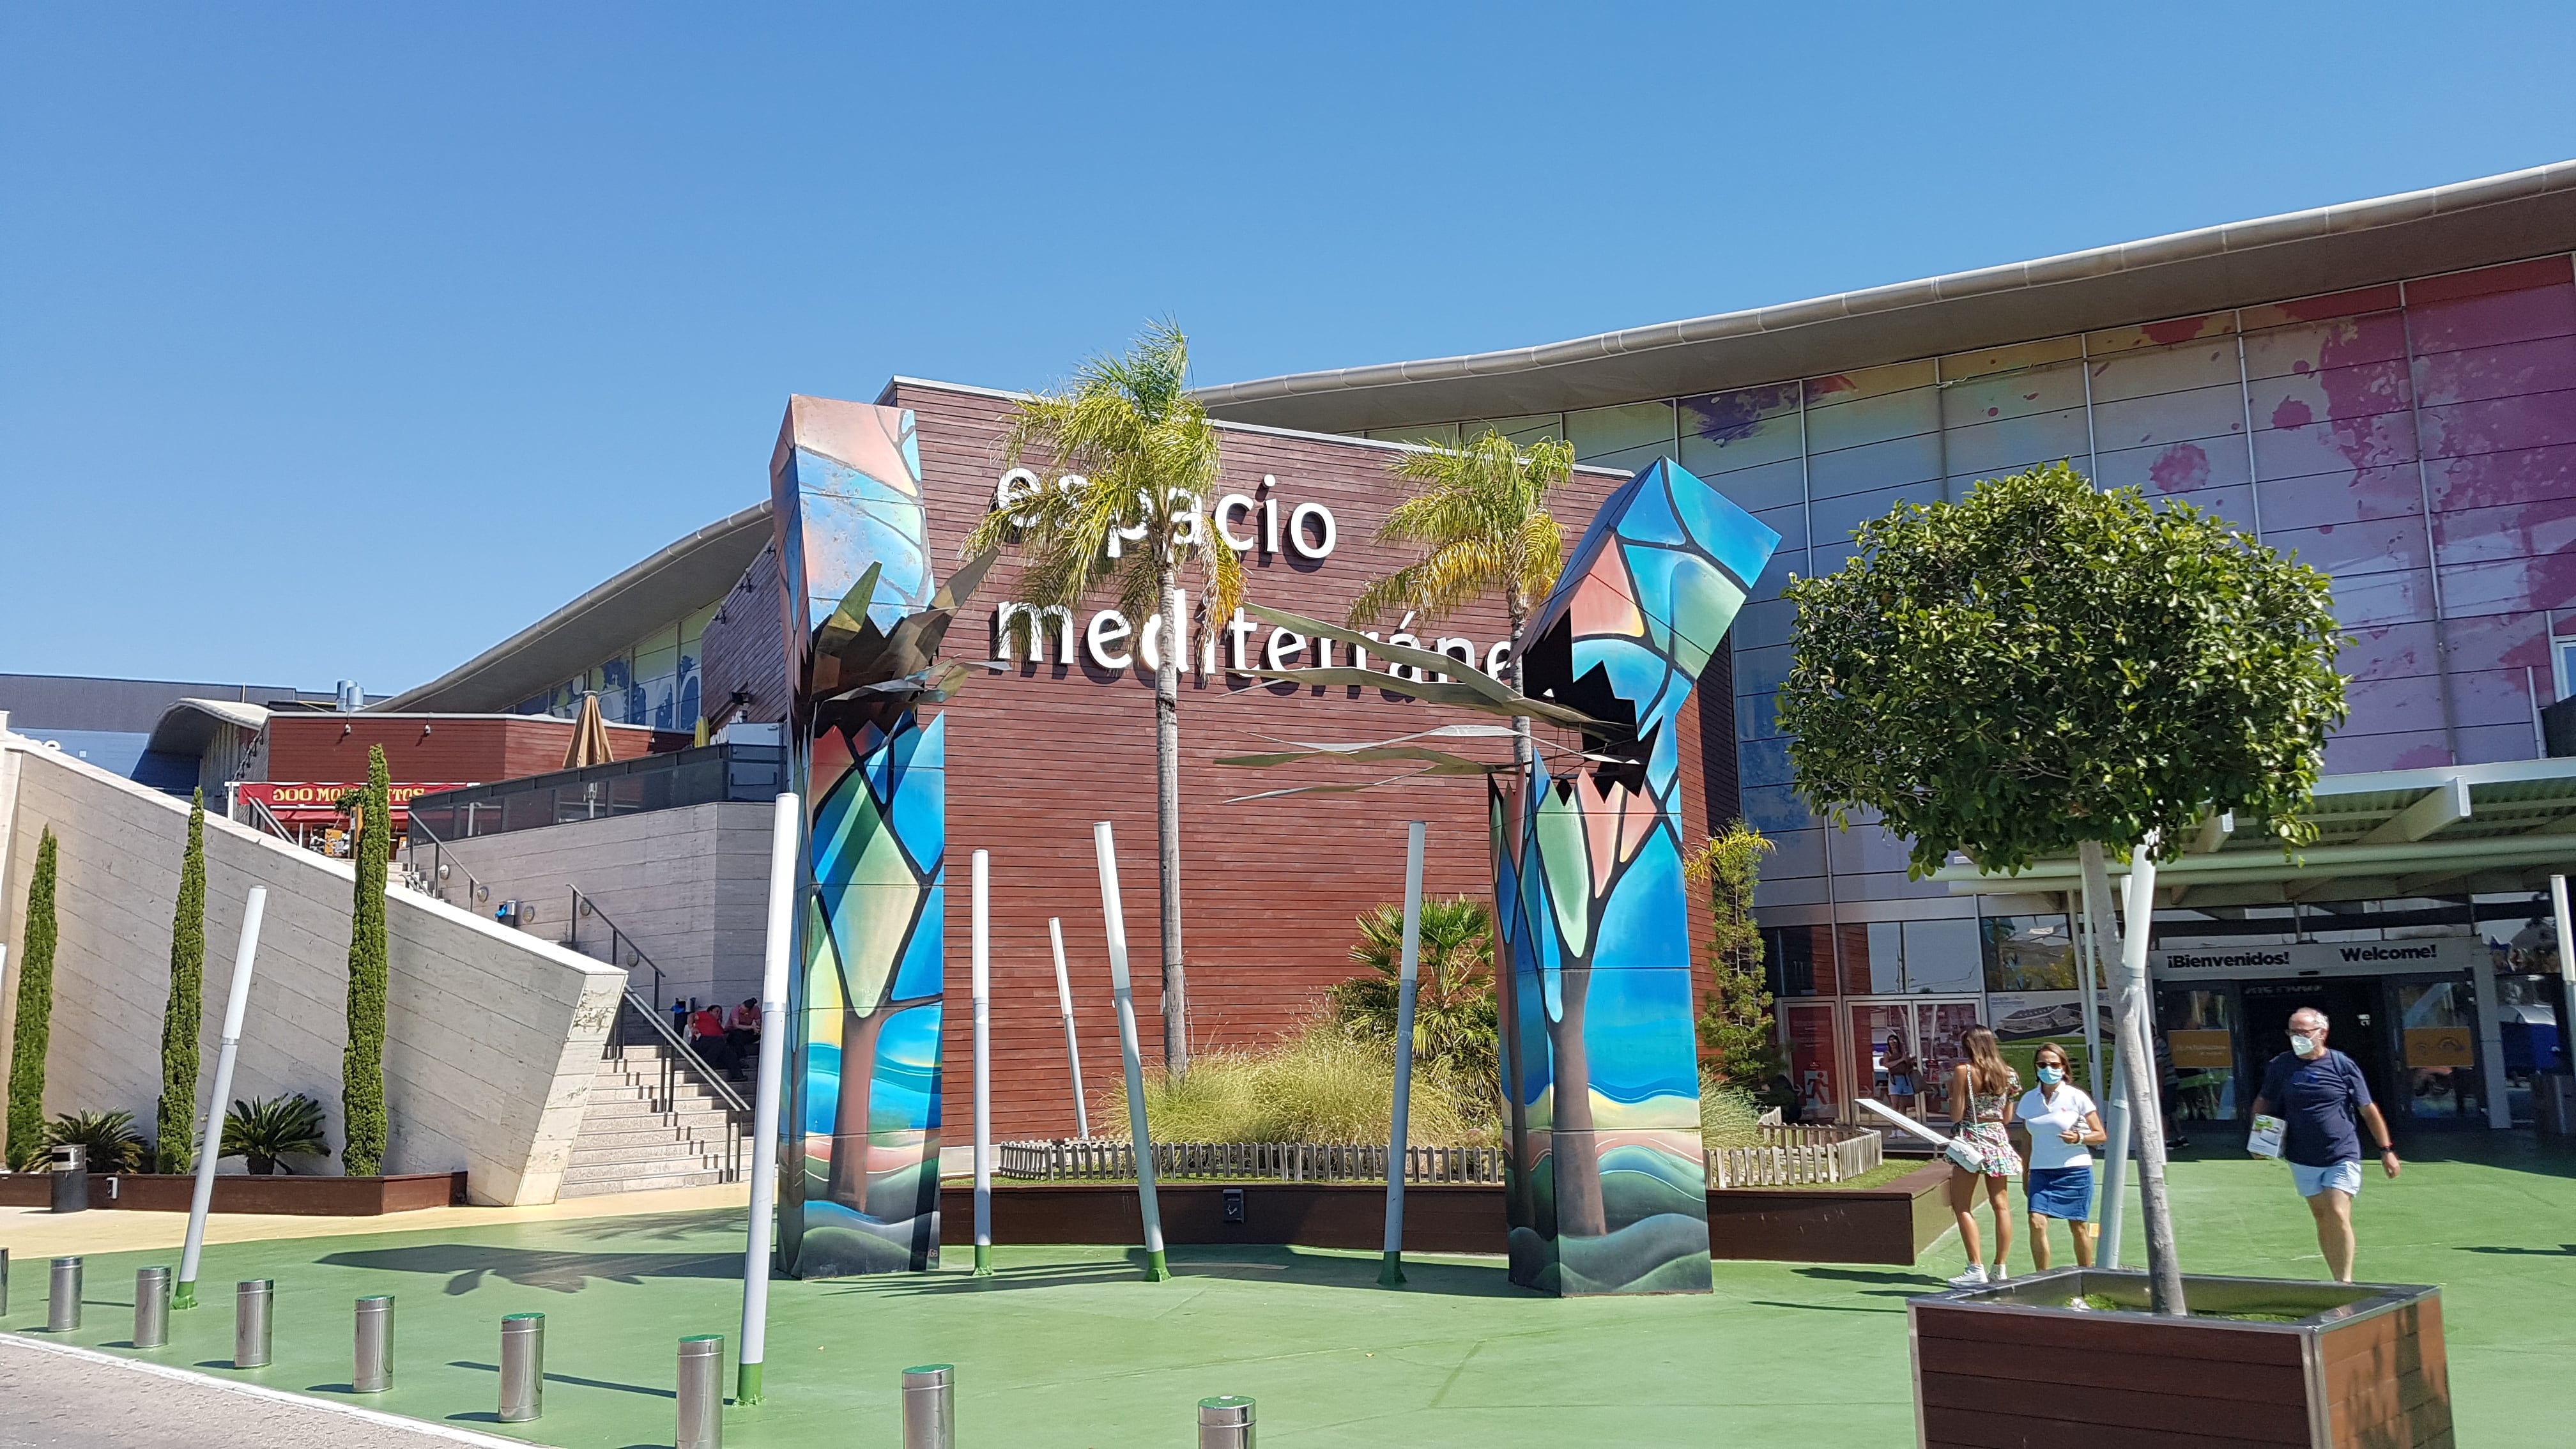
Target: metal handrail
263	816
706	1075
475	891
583	905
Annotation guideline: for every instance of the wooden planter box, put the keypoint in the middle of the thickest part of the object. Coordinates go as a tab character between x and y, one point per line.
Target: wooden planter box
2010	1365
328	1197
1806	1225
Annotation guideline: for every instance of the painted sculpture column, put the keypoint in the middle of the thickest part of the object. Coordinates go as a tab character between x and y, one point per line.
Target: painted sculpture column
862	619
1608	1183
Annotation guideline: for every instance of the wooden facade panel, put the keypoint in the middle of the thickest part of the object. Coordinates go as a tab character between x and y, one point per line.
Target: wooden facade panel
1269	888
2200	1340
1947	1428
2076	1375
435	749
2181	1417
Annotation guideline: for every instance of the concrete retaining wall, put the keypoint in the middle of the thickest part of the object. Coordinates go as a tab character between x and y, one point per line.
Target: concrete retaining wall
493	1035
689	886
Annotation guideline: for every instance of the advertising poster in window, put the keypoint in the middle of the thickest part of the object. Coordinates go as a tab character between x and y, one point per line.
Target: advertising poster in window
1811	1061
2024	1021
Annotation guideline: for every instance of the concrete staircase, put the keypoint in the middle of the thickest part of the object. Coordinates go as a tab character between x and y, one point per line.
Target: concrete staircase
652	1123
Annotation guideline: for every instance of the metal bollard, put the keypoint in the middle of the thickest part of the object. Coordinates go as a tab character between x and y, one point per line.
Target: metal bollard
930	1406
151	1307
523	1367
251	1304
701	1423
71	1178
373	1371
62	1310
1225	1422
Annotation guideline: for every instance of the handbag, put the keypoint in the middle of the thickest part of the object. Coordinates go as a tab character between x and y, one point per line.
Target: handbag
1966	1154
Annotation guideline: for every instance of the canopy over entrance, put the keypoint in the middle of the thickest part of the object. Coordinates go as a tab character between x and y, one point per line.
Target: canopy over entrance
2451	830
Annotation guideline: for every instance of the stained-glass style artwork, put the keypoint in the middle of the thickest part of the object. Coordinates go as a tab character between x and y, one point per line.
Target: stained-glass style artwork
860	1189
1607	1191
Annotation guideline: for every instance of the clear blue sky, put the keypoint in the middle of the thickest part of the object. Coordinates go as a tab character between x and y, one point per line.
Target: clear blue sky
345	340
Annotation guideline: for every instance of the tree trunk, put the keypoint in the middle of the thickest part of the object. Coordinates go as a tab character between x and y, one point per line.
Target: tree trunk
1522	1208
2137	1046
1167	829
848	1181
1573	1146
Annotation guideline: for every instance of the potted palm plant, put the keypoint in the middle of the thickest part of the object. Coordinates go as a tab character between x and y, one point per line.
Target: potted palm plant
266	1131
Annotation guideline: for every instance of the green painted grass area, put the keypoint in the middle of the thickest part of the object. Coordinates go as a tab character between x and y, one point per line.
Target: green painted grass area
1066	1347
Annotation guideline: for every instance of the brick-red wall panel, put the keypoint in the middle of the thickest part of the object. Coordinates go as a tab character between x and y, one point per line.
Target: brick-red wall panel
1269	887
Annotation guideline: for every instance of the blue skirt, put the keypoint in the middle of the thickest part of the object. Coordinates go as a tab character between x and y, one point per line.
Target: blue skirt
2062	1192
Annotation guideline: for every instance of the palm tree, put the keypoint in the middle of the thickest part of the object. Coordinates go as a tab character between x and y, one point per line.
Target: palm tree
1479	518
276	1127
1139	461
1453	1009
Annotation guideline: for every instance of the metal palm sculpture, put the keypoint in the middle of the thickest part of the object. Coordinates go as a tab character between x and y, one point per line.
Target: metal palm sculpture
1608	1192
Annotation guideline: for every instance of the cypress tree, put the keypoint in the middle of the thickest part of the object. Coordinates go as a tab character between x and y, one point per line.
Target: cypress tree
35	1024
183	1020
362	1066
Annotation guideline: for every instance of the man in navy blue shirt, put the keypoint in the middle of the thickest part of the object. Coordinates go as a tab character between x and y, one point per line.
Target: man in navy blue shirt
2323	1102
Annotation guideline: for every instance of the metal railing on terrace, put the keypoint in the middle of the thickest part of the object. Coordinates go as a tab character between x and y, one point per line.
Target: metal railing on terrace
704	775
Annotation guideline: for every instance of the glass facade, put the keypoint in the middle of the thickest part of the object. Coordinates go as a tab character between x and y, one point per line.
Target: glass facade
2415	440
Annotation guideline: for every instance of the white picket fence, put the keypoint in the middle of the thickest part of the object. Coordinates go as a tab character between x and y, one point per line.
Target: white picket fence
1100	1159
1795	1156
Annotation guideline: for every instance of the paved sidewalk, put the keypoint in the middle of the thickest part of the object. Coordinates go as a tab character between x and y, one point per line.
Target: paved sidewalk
34	1234
60	1399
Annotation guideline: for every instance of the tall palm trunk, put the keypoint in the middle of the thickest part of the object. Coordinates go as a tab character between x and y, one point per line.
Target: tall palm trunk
1167	825
1521	1209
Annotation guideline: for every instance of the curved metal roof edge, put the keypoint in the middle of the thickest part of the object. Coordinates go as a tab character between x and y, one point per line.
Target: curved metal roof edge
592	602
188	725
2339	219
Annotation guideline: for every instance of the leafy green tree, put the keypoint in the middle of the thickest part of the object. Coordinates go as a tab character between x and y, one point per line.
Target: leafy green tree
1129	513
183	1018
33	1033
264	1131
1454	1022
2043	669
362	1065
1478	517
1735	1025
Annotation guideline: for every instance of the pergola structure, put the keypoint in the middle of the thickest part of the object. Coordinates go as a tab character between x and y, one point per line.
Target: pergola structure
2449	830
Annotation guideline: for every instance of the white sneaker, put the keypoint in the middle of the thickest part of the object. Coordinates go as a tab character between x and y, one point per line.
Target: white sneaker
1998	1273
1975	1277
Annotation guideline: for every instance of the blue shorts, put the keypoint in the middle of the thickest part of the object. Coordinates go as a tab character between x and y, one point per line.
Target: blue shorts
2062	1192
1900	1085
2343	1177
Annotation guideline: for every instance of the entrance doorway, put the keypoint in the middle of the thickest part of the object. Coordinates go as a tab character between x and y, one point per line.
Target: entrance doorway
2354	1014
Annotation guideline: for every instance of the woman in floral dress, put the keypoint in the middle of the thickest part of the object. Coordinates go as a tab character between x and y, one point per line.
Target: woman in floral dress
1982	1092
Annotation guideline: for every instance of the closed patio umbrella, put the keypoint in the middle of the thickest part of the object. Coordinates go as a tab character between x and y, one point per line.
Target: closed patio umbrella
589	737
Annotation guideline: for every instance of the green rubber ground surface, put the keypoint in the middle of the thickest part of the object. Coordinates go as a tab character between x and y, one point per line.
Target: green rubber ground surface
1066	1348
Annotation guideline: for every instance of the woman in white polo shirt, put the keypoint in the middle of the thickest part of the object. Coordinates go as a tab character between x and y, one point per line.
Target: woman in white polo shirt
2063	1125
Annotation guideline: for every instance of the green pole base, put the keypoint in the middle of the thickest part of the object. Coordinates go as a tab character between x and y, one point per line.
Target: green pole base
1156	1269
1390	1273
983	1260
746	1384
184	1296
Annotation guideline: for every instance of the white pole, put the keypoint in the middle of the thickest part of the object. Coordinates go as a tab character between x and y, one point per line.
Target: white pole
1072	1048
982	977
210	1142
785	827
2115	1106
1391	1271
1157	1270
2566	959
2137	1053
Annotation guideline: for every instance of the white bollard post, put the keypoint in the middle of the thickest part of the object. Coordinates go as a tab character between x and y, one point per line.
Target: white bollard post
1157	1270
1391	1266
2080	932
981	976
1072	1048
786	827
2115	1105
210	1142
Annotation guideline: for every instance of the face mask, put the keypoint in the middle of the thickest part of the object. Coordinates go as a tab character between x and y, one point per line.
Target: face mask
2051	1075
2303	1044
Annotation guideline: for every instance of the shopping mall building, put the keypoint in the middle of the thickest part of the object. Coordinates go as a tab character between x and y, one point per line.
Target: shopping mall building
2387	388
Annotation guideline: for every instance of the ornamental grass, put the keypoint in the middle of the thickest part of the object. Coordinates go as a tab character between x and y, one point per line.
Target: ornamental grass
1319	1085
